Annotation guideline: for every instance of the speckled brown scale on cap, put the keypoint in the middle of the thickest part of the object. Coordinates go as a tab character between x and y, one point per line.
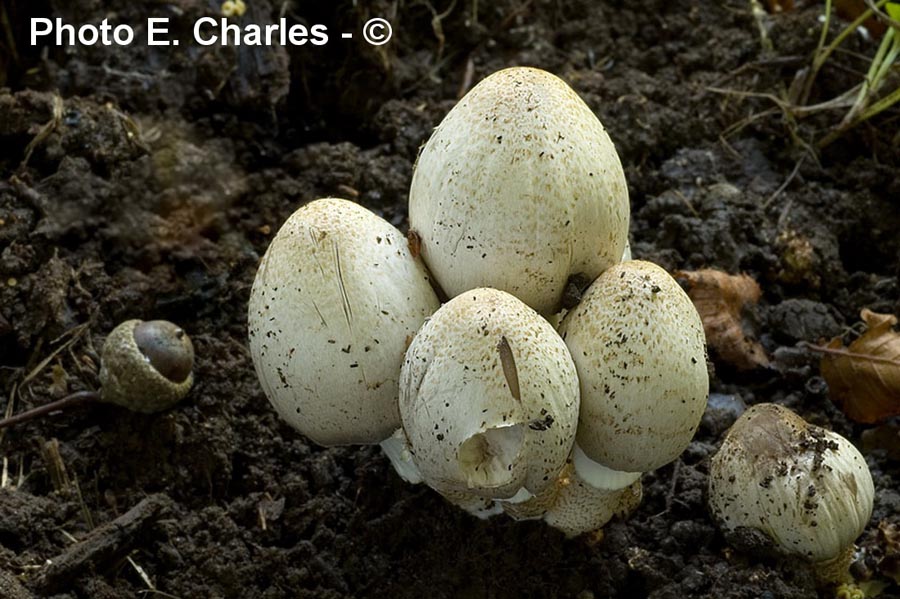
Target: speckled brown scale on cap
806	489
488	398
334	302
519	188
638	344
532	507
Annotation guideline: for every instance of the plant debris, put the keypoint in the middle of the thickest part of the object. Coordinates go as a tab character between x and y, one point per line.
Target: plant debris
721	300
864	377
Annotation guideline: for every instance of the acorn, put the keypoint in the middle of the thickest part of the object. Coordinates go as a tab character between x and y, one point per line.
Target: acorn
145	366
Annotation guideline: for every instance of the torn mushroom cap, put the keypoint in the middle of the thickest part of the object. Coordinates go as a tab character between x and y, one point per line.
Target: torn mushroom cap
335	299
519	188
808	490
639	348
488	398
396	448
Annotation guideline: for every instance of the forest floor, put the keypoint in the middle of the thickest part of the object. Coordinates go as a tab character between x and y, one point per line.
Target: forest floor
146	182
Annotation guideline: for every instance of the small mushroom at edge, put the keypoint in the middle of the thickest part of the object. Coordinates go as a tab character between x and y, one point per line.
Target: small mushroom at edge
781	483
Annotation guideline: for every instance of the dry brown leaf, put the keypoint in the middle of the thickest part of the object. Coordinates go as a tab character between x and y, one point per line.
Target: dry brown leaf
885	437
849	10
720	298
864	377
779	6
888	540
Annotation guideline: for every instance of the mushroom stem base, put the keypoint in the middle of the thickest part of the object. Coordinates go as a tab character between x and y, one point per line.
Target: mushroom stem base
835	570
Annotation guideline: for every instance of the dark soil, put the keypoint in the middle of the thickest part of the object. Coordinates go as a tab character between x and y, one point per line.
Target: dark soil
147	182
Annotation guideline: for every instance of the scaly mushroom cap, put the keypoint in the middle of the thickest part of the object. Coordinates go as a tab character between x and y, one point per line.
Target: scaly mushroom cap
334	302
488	398
639	348
581	507
807	490
518	188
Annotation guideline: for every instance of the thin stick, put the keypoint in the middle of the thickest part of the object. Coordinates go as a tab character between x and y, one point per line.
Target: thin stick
787	182
75	399
839	351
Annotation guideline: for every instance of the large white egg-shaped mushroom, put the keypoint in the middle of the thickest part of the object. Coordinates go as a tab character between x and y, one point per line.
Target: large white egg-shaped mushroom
334	302
488	398
519	188
638	344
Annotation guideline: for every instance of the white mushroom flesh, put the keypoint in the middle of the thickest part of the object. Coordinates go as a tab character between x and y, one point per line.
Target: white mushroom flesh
396	449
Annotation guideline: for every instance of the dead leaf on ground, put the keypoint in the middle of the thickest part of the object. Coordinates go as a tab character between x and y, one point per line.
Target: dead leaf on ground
888	539
864	377
885	437
849	10
721	298
779	6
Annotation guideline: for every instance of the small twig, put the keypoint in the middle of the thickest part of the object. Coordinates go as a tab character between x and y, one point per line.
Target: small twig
55	466
142	573
85	510
670	496
48	128
760	15
687	203
75	399
508	20
76	332
784	185
157	592
882	16
835	351
104	546
10	407
468	76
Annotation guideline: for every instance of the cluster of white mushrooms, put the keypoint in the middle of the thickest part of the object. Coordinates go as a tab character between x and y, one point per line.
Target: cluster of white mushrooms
498	399
518	190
